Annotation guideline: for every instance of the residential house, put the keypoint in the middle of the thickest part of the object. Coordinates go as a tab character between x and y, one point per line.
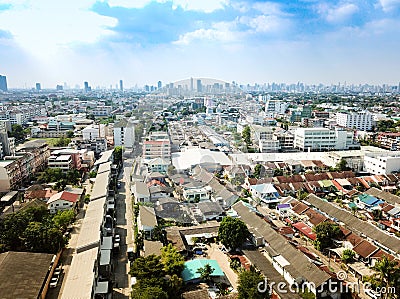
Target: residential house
266	193
63	201
141	192
210	210
146	221
158	165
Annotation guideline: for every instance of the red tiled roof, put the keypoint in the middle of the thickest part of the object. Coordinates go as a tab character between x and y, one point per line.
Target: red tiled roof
365	249
299	207
354	239
314	217
305	230
68	196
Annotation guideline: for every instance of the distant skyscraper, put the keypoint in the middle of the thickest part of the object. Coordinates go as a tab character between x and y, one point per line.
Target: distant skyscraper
199	86
3	83
159	85
121	85
38	86
86	87
59	87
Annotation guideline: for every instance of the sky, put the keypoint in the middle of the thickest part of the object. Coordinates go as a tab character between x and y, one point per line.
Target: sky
144	41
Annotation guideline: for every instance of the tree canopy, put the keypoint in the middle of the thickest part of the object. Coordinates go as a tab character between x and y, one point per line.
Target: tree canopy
33	229
246	135
326	232
118	154
248	285
205	272
172	260
72	177
158	276
387	275
232	232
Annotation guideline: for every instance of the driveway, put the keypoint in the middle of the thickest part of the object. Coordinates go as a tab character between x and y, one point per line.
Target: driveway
223	261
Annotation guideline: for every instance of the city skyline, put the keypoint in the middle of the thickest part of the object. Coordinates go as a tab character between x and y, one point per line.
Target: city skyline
143	42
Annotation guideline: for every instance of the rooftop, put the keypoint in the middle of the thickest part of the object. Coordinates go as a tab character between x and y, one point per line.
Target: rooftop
29	271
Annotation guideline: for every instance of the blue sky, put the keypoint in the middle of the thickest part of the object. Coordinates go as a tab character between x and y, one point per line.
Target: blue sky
143	41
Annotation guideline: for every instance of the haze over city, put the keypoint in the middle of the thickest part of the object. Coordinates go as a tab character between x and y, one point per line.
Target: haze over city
144	41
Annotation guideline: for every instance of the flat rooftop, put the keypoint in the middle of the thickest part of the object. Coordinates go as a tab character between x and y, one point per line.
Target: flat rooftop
29	271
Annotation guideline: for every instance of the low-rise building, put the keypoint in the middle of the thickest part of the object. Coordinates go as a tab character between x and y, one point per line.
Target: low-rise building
147	221
324	139
141	192
63	201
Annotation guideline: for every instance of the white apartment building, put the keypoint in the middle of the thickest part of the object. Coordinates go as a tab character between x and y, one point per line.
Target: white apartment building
275	107
158	146
323	139
64	162
124	133
382	163
362	121
93	131
286	140
265	139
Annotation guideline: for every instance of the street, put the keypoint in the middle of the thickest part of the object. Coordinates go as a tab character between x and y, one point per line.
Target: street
124	228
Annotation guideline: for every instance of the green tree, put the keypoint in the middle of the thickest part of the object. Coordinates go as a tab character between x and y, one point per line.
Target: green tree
326	233
257	171
232	232
64	218
248	285
145	268
118	154
148	292
62	141
377	214
348	256
342	165
18	132
70	134
246	135
172	260
205	272
387	275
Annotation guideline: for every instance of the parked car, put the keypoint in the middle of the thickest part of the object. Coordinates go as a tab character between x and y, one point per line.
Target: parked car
54	281
117	239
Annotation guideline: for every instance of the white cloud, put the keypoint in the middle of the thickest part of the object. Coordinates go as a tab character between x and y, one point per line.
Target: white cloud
264	24
339	13
221	32
269	8
46	26
389	5
198	5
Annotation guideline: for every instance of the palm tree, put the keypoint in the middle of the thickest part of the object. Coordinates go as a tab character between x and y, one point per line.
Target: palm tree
387	275
205	272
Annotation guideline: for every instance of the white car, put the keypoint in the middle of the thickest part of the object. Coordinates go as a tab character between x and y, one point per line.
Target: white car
200	245
53	282
117	239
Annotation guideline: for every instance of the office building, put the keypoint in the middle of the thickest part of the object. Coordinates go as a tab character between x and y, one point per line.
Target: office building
87	88
273	107
159	85
382	163
38	87
362	121
121	85
199	86
323	139
3	83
